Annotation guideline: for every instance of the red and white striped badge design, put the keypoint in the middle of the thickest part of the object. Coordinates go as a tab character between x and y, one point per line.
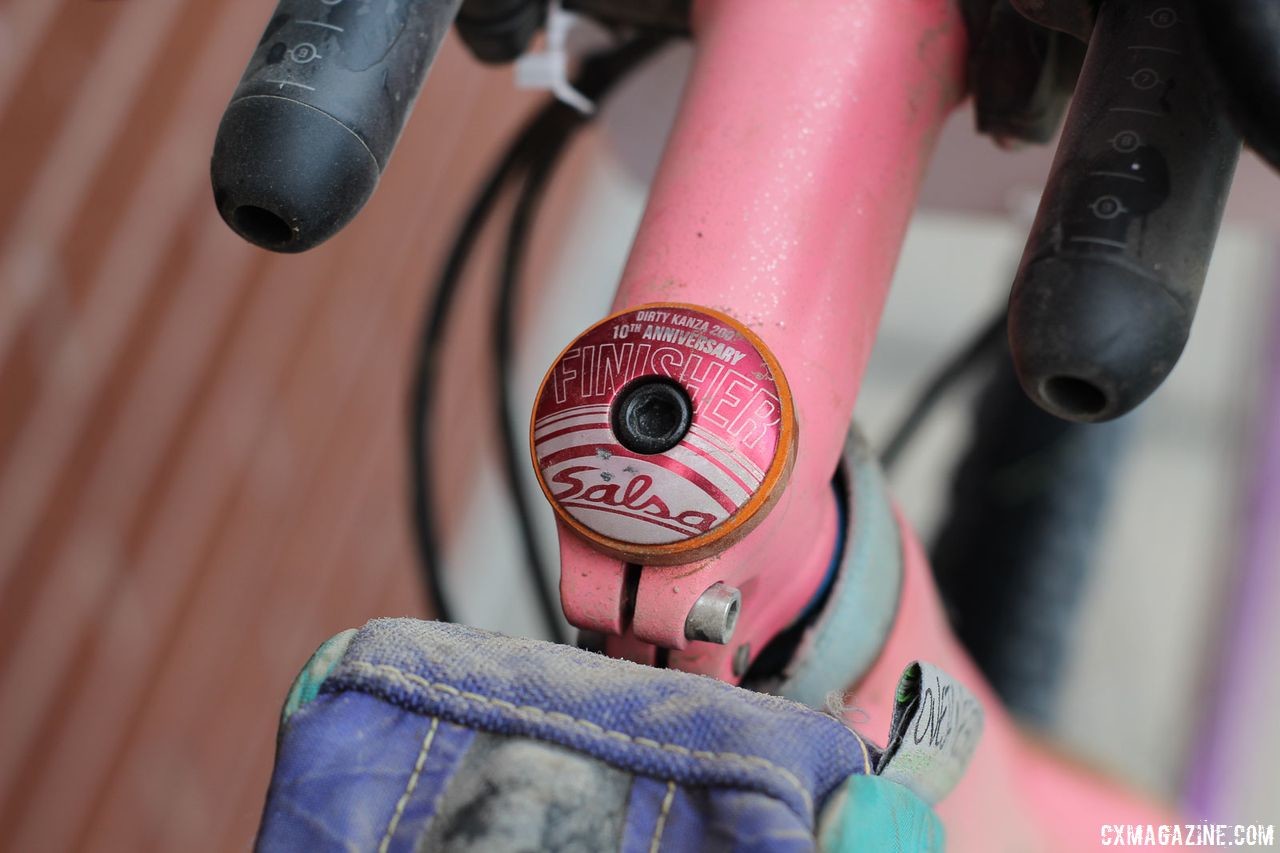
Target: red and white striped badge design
676	505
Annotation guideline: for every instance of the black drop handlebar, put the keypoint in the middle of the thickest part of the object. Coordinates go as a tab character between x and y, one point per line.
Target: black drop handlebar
1102	304
318	112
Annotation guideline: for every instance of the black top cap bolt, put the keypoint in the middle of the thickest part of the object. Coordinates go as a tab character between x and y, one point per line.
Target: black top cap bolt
651	415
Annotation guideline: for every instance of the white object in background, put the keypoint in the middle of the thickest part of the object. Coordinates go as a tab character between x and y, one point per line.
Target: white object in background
549	68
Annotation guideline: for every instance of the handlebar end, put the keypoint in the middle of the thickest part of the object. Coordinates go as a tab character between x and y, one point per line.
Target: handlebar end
1092	338
287	176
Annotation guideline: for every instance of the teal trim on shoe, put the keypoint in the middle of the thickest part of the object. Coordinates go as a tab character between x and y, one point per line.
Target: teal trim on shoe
873	813
307	685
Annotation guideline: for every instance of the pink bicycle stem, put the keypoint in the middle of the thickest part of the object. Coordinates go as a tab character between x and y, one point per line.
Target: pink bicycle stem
782	200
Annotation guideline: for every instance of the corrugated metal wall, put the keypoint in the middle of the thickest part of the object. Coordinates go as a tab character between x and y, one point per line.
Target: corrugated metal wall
201	455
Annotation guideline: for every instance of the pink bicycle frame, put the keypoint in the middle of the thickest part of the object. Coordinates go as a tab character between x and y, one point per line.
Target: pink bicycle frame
782	201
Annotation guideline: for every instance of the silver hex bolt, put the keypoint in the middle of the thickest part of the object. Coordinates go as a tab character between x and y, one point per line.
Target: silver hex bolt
714	615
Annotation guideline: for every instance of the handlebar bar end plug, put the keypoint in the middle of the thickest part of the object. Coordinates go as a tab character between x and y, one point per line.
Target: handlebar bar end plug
1092	338
286	176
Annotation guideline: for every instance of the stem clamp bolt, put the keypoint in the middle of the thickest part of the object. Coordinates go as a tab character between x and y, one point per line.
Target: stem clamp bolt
714	615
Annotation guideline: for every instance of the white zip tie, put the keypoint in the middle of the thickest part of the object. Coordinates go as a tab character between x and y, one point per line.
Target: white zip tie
549	68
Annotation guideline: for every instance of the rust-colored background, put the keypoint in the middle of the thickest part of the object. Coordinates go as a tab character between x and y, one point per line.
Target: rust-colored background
201	444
